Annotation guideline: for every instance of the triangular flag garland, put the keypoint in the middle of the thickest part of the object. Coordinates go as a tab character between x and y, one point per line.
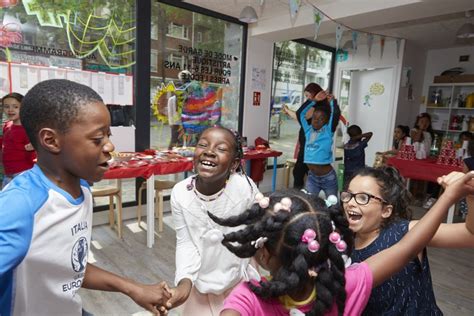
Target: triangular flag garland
370	40
355	37
294	7
382	45
318	19
319	16
339	31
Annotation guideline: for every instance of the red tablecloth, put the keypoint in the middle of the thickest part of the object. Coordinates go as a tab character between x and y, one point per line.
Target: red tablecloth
150	169
425	169
257	154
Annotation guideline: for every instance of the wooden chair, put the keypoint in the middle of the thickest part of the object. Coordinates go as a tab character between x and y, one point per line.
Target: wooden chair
160	187
112	191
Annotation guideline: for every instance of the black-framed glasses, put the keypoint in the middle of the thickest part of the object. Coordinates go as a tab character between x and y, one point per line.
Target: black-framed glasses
360	198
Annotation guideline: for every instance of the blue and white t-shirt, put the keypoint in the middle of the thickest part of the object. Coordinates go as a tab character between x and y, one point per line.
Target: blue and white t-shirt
44	241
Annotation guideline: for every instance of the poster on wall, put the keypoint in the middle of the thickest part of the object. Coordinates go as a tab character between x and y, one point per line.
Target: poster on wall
24	77
258	79
4	82
122	87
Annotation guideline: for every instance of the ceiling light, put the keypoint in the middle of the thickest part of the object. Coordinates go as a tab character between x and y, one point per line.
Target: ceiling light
248	15
467	29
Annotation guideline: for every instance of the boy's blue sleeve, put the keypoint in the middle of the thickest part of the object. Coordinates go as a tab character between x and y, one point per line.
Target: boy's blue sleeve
302	118
16	228
331	104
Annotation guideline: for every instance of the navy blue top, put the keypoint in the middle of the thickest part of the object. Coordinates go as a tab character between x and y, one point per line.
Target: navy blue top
469	163
354	155
409	292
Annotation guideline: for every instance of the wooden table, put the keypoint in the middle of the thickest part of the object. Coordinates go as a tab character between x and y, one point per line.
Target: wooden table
148	171
426	170
261	154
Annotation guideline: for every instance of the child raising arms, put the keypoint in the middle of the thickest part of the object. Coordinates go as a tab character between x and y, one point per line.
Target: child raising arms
376	205
17	153
205	270
303	245
46	212
318	147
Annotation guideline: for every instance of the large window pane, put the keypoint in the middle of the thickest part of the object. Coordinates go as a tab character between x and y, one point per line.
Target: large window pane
196	83
294	66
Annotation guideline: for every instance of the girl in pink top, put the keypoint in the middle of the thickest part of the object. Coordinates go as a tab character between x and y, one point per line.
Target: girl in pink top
304	245
17	152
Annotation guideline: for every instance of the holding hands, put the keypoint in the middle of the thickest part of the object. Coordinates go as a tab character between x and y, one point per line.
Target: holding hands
153	298
457	185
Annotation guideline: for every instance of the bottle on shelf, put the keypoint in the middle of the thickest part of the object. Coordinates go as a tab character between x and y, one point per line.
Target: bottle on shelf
434	146
465	123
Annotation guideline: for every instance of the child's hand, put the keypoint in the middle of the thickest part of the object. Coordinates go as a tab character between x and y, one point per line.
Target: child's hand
29	147
153	298
321	95
179	295
457	184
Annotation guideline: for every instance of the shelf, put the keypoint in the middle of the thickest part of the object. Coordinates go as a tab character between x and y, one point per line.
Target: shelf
438	108
467	109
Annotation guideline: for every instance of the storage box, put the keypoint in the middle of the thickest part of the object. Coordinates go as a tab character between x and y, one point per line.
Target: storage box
454	79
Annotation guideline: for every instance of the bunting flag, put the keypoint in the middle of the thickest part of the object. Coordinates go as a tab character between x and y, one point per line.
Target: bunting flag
339	31
382	45
318	19
294	7
370	40
262	2
399	41
355	37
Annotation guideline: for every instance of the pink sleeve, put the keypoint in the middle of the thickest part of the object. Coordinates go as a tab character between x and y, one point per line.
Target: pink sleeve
241	300
359	281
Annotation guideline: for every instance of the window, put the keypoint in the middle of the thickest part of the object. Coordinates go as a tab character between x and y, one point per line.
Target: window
178	31
154	32
295	64
201	69
154	60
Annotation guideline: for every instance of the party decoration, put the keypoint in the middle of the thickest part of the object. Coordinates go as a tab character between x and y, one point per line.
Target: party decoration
318	19
339	31
370	40
398	41
50	18
111	36
355	37
374	89
294	7
160	102
382	45
10	33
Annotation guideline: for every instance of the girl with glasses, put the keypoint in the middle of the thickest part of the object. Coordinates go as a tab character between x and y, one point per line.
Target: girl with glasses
376	206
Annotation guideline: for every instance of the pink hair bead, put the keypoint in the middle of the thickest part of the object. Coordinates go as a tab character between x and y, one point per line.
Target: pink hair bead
264	202
278	206
334	237
259	196
313	246
308	235
341	246
286	202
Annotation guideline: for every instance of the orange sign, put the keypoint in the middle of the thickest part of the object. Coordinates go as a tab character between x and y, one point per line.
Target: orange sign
256	98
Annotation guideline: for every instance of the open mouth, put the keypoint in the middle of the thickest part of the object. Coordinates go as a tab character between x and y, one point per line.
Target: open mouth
104	165
353	216
208	164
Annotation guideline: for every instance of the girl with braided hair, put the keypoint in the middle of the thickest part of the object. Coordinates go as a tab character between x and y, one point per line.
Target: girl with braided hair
205	270
304	244
376	205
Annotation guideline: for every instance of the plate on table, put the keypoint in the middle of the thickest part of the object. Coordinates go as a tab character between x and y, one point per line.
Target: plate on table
136	163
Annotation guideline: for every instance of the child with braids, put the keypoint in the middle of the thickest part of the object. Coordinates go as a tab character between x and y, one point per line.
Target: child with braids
376	205
304	244
205	270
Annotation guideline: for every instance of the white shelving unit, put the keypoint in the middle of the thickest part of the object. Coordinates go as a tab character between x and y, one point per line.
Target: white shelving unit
443	105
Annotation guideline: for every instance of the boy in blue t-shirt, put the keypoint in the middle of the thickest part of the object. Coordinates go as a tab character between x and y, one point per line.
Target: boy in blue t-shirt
354	151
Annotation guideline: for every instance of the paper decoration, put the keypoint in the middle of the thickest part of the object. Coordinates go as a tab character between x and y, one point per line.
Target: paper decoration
374	89
398	41
370	40
339	31
318	19
342	55
262	2
382	45
355	37
10	33
294	7
8	3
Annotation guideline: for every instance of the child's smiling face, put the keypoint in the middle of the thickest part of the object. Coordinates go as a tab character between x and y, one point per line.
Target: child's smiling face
11	107
215	156
86	146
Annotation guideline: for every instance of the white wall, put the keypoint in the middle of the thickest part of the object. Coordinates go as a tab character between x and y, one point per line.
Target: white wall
414	57
361	60
439	60
257	118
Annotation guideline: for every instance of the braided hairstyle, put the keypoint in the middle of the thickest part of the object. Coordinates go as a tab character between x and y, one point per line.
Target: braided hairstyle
238	151
392	189
284	231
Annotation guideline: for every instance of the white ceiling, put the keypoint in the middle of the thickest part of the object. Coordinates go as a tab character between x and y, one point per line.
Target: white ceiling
426	23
